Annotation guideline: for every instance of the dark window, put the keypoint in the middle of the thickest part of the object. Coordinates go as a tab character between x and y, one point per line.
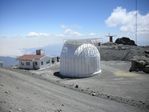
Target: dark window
27	63
22	63
48	61
53	60
35	63
42	63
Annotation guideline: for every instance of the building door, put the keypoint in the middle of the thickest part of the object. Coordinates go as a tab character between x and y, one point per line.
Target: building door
35	65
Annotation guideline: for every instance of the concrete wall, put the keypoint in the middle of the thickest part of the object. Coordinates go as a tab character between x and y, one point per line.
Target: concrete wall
45	61
24	66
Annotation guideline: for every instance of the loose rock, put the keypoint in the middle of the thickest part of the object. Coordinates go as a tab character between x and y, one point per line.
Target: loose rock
62	105
93	94
10	111
1	85
58	110
76	86
19	109
6	92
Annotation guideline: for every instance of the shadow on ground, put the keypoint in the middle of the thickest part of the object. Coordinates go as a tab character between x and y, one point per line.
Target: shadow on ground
57	74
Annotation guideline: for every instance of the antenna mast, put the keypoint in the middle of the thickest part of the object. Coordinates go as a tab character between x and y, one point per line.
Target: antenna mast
136	20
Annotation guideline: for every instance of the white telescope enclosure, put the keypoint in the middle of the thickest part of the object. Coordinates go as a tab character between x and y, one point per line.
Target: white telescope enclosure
79	58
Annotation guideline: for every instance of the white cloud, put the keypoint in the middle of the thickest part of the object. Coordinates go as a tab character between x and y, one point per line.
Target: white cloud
126	21
92	34
70	32
16	46
73	26
35	34
63	26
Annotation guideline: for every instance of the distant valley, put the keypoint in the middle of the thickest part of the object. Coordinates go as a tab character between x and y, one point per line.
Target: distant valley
8	61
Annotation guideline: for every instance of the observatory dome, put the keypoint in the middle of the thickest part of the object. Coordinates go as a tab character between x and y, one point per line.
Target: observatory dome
79	60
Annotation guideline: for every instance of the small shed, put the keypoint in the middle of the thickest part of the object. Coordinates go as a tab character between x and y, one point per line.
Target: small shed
79	58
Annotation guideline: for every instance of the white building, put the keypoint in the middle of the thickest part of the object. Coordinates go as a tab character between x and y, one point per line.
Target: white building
34	61
79	58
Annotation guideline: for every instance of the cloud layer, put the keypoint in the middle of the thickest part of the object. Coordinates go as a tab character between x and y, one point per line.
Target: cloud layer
36	34
16	46
126	21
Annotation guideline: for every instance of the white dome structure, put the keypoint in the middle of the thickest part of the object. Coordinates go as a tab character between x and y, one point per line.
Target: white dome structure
79	59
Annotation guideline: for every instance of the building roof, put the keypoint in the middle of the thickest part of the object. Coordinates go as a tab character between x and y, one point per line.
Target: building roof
30	57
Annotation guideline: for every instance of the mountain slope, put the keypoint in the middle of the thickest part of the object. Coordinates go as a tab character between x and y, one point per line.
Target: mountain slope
8	61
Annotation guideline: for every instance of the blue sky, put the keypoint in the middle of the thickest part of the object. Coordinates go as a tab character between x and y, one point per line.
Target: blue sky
54	19
22	16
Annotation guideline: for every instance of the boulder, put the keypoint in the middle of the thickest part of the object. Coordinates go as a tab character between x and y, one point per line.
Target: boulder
125	41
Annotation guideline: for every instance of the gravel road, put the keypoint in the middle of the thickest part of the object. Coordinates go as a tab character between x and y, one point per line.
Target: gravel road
23	93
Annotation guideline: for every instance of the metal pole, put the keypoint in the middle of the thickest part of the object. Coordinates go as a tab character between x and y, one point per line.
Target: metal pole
136	20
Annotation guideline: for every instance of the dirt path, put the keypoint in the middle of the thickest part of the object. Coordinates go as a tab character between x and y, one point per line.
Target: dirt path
24	93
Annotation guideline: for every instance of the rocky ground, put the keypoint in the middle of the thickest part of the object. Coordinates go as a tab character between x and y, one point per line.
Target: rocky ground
23	92
115	83
121	52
